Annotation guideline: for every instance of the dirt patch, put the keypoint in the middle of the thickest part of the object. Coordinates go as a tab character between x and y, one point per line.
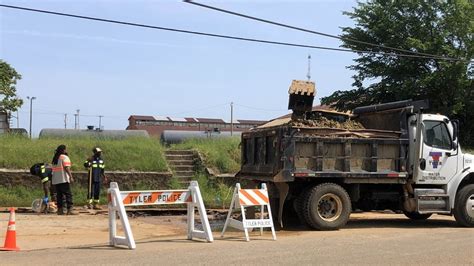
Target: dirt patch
44	231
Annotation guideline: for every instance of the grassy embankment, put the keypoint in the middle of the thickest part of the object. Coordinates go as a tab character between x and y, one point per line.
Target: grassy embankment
222	156
137	154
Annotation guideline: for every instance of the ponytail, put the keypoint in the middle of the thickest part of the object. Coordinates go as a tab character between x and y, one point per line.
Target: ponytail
59	151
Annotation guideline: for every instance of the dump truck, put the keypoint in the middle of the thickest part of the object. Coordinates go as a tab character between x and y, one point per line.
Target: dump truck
322	164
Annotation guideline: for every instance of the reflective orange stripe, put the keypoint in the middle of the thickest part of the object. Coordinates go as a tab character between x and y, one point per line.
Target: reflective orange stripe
57	169
249	197
261	195
66	164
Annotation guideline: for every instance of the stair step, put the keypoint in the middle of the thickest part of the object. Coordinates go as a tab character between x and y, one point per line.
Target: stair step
185	172
183	179
179	152
183	167
179	157
180	162
184	176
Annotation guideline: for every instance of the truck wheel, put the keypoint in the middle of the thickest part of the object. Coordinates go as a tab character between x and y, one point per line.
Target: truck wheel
464	206
416	216
326	207
299	205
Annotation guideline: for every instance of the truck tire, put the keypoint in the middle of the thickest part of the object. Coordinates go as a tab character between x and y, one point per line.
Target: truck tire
464	206
416	216
326	207
299	205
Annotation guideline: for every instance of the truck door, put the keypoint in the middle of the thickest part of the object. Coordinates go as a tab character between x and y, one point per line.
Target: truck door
438	165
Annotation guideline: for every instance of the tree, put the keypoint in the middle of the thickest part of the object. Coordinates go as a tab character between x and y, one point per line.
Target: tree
8	79
443	28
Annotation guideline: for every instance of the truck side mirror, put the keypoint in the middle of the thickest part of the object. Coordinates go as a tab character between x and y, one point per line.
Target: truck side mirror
455	145
455	133
455	129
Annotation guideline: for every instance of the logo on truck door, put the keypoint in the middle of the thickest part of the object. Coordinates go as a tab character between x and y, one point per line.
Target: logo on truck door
435	162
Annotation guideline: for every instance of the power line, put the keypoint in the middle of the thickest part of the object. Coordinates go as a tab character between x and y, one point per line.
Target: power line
172	29
216	35
322	33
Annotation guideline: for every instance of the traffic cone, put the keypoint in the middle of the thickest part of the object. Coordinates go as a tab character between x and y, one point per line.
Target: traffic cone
10	238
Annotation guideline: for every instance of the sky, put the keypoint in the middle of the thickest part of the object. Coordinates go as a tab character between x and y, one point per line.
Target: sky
116	71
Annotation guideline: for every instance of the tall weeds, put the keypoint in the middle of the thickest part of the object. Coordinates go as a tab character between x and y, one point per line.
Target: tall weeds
140	154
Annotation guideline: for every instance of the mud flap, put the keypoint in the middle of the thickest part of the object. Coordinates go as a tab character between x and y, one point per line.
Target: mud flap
283	189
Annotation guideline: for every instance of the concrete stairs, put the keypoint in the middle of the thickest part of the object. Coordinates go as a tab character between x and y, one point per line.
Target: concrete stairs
182	164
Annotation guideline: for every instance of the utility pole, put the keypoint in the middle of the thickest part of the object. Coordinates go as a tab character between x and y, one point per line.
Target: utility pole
231	118
75	121
65	121
100	122
309	68
78	125
31	111
17	119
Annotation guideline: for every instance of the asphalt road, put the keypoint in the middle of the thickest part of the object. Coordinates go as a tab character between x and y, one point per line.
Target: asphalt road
367	239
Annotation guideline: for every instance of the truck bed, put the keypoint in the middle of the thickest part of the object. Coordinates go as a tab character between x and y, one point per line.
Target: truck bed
281	153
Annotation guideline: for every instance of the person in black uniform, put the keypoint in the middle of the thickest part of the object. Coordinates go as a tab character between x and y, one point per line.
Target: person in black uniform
45	173
96	167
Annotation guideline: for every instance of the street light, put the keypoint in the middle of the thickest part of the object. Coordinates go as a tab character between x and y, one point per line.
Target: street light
31	110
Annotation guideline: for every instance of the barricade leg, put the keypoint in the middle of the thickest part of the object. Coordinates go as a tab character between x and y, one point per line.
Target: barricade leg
243	222
198	202
231	208
190	222
116	205
264	186
112	219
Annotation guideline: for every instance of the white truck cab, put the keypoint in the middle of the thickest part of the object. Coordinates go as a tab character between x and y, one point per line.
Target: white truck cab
443	175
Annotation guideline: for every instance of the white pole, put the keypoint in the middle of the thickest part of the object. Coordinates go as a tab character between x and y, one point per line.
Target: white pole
31	112
231	118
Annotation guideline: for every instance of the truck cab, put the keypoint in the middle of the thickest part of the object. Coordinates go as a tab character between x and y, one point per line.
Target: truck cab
440	164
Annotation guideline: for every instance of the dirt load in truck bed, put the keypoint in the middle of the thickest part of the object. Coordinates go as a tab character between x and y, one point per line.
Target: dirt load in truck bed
322	126
326	123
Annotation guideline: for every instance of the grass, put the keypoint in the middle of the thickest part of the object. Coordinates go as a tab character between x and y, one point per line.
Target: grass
21	196
215	195
139	154
222	154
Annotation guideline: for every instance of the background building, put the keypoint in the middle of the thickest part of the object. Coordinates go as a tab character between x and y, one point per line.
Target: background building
155	125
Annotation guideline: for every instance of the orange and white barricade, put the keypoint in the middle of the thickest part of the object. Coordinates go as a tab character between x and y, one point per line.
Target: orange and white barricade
245	198
118	200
